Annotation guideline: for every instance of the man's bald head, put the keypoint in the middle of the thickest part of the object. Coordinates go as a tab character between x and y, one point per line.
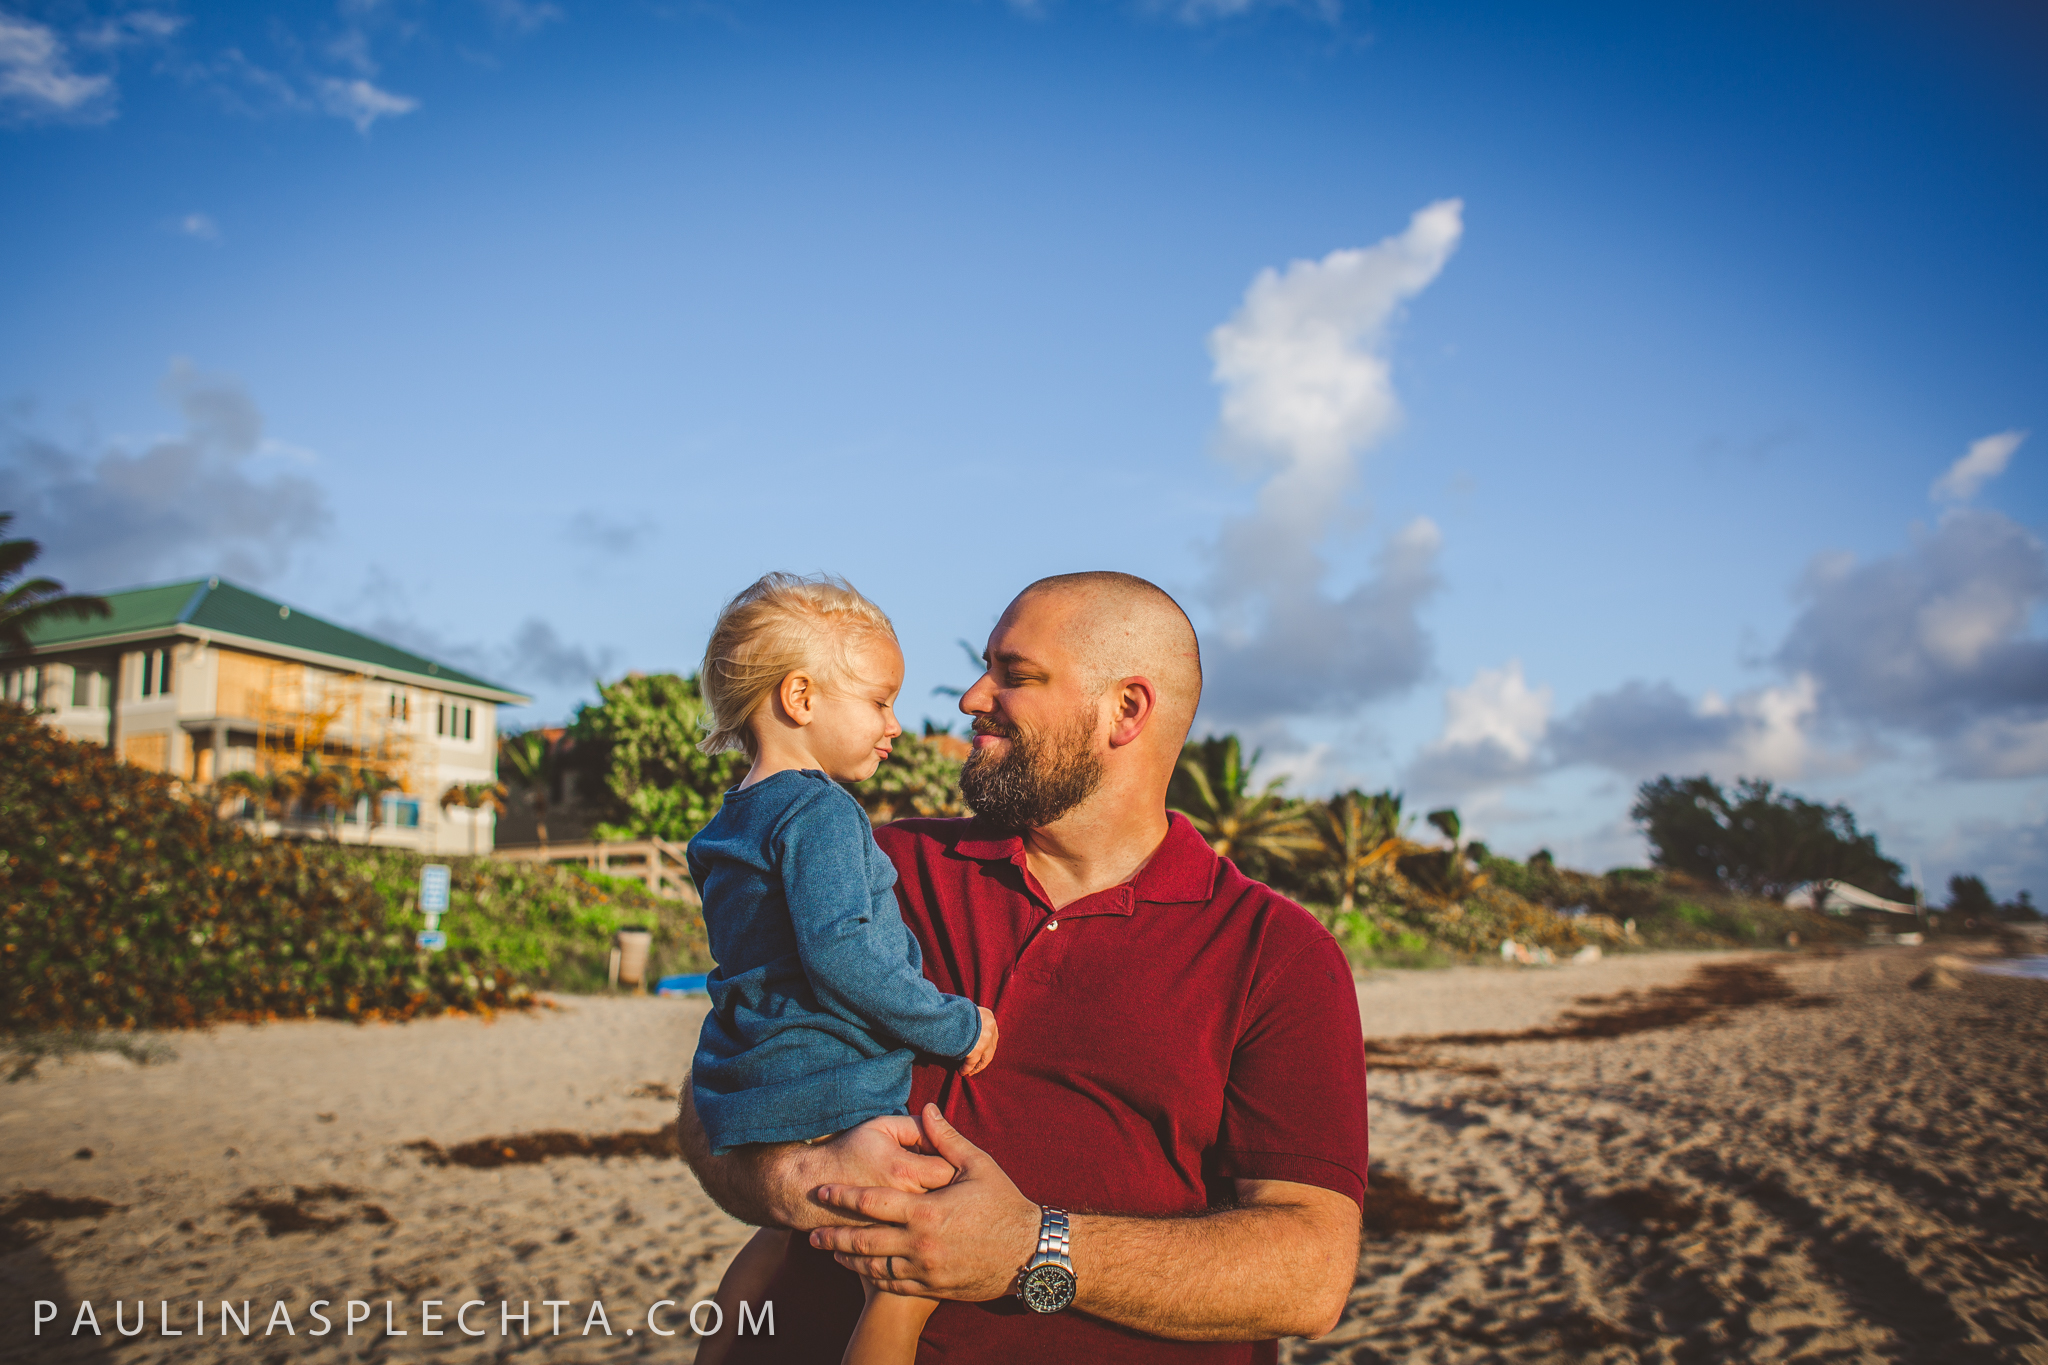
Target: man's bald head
1121	626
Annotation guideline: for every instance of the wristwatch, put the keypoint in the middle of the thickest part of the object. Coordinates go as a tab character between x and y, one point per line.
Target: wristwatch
1047	1284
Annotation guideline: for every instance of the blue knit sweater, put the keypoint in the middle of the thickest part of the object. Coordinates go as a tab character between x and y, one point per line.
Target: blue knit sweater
819	1002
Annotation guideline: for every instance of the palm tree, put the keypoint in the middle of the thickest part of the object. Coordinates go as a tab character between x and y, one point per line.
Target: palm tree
27	604
1213	790
1448	871
1358	833
532	760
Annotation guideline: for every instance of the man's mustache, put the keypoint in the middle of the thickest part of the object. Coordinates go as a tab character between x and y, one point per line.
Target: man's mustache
984	726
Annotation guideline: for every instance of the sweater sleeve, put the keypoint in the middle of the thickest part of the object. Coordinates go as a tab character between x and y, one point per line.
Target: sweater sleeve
862	963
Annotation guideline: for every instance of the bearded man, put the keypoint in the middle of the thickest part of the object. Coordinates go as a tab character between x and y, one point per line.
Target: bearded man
1167	1159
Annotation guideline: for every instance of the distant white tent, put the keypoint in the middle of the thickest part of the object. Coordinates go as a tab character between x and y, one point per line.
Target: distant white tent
1832	896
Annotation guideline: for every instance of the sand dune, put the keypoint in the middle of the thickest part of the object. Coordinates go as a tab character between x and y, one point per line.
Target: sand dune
1804	1159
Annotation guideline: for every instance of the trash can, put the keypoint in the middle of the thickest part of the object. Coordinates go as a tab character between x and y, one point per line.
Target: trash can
633	945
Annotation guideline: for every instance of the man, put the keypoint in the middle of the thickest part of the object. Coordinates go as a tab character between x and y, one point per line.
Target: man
1181	1082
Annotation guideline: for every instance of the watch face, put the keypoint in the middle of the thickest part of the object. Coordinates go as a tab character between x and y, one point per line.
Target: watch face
1048	1288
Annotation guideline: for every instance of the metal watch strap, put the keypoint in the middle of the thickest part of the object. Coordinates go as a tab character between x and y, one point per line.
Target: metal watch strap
1052	1234
1047	1282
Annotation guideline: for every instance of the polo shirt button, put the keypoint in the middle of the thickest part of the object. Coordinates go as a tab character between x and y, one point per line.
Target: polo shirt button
1053	924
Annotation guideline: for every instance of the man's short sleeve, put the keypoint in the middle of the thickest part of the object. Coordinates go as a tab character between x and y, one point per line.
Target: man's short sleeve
1294	1106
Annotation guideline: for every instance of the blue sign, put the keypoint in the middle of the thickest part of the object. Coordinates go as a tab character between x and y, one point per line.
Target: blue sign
433	940
434	888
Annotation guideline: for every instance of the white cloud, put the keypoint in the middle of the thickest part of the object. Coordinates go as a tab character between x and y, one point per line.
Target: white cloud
1642	729
1499	730
36	79
1307	388
195	503
1999	746
1301	769
1984	461
133	29
521	16
1493	731
201	226
1935	641
1499	708
362	103
1303	364
1770	730
535	659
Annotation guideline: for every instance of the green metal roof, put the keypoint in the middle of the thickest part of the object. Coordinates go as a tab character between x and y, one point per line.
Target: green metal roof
212	604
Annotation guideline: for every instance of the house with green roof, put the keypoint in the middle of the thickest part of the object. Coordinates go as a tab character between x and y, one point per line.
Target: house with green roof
206	679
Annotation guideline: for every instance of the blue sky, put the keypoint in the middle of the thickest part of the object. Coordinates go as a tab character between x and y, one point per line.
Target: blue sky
1588	426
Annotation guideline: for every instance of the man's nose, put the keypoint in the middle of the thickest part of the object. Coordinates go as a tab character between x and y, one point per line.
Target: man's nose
979	699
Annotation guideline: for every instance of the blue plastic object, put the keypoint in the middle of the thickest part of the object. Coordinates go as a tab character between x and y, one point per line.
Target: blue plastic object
680	985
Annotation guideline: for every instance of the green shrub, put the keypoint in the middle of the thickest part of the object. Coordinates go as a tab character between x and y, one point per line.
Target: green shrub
124	904
550	925
1377	943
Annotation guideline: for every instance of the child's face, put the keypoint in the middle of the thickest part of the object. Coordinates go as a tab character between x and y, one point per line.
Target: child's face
856	714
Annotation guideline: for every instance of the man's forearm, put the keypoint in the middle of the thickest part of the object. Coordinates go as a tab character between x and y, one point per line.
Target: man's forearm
1279	1264
757	1184
770	1184
1271	1269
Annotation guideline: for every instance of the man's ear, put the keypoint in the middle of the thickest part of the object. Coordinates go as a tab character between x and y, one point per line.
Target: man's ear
797	695
1135	701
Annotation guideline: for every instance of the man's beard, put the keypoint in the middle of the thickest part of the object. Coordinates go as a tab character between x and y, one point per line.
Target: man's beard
1041	777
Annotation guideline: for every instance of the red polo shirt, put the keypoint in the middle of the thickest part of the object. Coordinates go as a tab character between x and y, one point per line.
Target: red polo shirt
1159	1039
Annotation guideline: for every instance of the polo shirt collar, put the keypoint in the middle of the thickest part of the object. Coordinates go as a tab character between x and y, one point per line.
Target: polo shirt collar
1182	869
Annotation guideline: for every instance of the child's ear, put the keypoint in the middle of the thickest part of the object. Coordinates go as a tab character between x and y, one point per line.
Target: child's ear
797	694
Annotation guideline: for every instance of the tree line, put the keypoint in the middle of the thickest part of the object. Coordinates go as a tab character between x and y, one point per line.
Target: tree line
636	748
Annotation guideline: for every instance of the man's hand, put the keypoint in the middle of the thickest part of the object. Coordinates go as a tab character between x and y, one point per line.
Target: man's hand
770	1184
984	1046
1280	1263
966	1241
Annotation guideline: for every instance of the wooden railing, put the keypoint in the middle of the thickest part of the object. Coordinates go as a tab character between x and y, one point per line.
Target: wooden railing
657	863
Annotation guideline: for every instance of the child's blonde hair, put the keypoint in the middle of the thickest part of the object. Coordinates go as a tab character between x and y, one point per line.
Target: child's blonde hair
782	623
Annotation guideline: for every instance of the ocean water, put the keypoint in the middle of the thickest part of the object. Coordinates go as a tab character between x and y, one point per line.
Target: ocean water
2033	967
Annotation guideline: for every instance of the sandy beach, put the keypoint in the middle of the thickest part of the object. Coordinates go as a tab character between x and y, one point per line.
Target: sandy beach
1788	1157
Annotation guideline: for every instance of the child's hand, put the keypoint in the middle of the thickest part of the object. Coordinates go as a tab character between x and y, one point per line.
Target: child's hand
984	1046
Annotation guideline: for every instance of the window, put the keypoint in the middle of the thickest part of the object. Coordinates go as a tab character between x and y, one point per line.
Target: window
156	672
402	812
456	722
401	706
81	686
